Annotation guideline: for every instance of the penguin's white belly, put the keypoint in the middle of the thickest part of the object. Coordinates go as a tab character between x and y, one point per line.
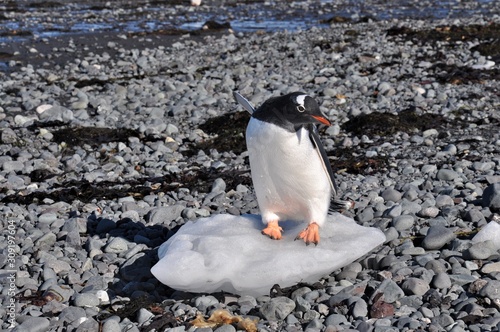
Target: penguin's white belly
288	175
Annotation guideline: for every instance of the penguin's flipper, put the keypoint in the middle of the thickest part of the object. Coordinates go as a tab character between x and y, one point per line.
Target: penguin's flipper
336	204
244	102
314	135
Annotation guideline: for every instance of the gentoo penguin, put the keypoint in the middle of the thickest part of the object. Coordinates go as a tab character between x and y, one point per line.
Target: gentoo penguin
291	174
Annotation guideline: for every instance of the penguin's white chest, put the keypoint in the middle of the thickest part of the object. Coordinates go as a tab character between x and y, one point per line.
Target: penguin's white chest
287	173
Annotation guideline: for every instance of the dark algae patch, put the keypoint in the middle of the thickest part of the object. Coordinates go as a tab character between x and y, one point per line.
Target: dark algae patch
77	136
229	130
195	179
383	124
488	46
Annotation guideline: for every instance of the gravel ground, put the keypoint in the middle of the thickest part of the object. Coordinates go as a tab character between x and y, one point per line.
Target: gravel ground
101	144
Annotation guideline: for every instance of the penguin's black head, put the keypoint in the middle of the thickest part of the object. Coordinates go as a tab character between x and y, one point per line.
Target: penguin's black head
291	111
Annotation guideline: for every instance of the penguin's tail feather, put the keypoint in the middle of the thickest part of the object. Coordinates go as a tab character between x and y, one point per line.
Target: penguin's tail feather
339	205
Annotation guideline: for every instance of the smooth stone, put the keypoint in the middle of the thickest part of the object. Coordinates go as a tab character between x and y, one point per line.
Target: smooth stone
277	308
33	324
491	196
111	325
441	280
446	174
229	253
165	214
437	237
415	286
116	246
482	250
403	222
491	290
391	194
86	300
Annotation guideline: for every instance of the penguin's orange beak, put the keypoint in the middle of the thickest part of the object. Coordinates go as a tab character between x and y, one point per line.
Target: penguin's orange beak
322	120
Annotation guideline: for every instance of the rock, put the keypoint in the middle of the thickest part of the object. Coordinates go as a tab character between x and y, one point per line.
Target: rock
392	195
491	268
71	314
116	246
446	174
491	196
429	212
111	325
403	222
105	225
86	300
441	280
415	286
204	302
437	237
33	324
144	315
491	290
277	308
219	261
390	290
165	214
482	250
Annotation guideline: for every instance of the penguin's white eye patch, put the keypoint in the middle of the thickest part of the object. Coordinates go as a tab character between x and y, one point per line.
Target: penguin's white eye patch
299	100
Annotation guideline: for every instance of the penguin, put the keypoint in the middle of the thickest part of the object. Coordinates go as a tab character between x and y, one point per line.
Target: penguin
291	173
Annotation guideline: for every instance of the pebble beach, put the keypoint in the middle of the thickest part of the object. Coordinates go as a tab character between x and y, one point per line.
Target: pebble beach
112	136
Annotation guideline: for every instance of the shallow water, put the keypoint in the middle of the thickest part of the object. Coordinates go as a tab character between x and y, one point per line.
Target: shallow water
36	19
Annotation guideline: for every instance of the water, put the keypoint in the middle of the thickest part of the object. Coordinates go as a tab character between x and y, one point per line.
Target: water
35	19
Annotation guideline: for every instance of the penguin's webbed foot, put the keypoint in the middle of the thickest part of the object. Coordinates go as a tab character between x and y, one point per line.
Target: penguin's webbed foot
310	234
273	230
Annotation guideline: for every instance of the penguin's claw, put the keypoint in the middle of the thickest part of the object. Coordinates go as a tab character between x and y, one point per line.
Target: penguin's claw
310	234
273	230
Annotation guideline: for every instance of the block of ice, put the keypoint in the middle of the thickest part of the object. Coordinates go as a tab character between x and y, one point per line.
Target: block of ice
489	232
228	253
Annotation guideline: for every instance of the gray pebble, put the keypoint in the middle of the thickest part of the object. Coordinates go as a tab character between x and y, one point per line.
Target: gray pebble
429	212
33	324
392	195
116	245
165	214
204	302
403	222
482	250
86	300
437	237
144	315
71	314
491	290
225	328
447	174
441	280
335	319
491	196
111	325
277	308
415	286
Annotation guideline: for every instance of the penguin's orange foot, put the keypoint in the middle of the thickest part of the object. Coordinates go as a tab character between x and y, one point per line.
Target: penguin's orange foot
273	230
310	234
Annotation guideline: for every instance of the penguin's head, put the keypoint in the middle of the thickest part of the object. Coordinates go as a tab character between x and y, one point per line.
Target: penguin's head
291	111
301	109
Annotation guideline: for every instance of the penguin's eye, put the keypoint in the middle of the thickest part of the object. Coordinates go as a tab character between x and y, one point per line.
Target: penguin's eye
301	108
